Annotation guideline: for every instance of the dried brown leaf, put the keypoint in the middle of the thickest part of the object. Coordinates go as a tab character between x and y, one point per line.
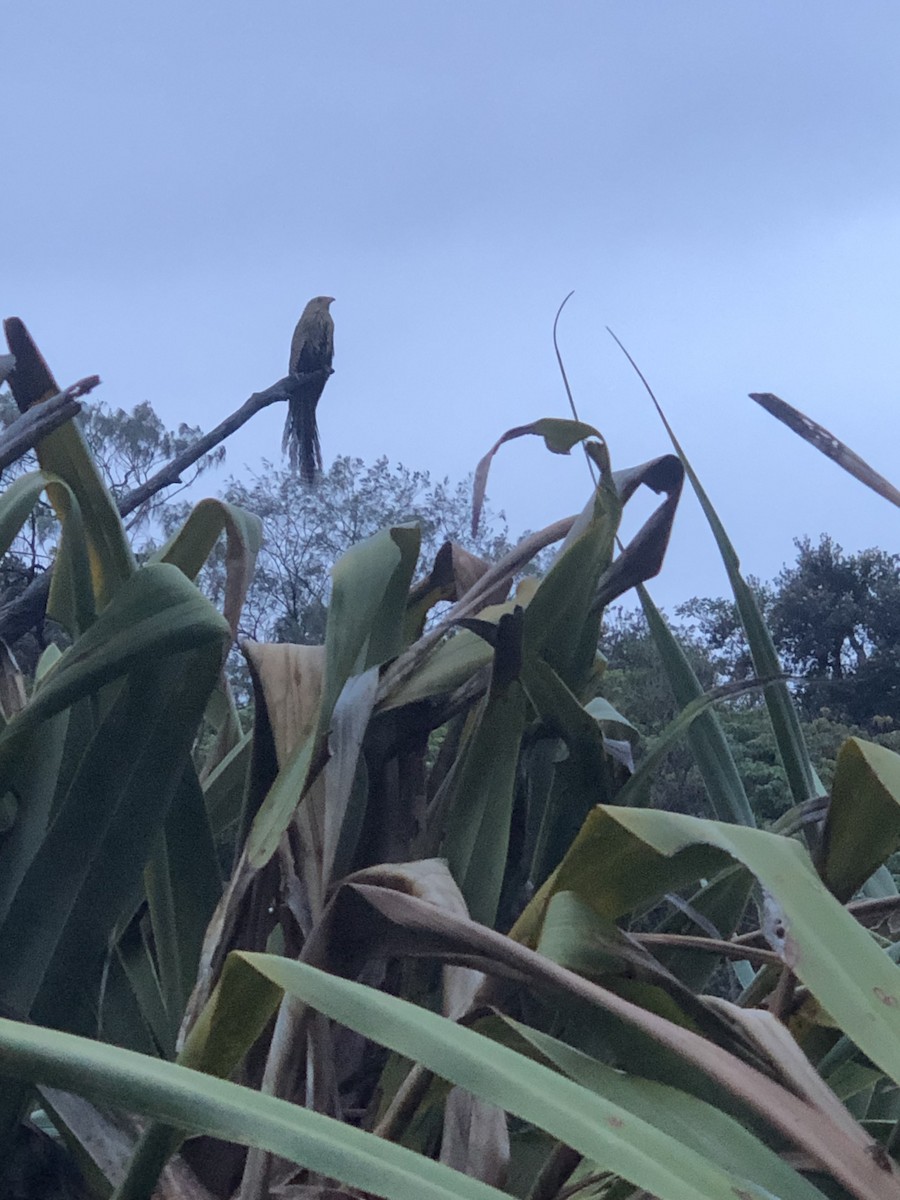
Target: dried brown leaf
825	442
476	1138
288	680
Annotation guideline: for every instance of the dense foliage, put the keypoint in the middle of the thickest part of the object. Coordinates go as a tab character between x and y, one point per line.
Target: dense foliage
461	949
306	530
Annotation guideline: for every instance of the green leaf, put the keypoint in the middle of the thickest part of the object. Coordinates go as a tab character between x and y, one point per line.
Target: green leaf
711	751
721	901
694	1124
559	437
166	640
561	622
863	826
71	600
853	980
368	605
223	788
455	660
64	453
365	627
599	1128
480	812
190	547
192	1100
33	783
135	962
54	938
183	885
560	710
157	613
802	779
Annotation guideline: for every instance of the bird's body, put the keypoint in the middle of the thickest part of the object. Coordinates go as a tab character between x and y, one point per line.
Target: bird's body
312	349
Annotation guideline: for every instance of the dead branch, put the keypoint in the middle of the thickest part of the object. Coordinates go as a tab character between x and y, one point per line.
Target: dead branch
28	429
284	389
26	610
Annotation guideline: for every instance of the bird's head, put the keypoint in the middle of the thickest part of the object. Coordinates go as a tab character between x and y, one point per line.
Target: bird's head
323	301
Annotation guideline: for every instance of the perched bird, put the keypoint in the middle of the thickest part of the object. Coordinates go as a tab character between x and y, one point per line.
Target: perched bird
312	349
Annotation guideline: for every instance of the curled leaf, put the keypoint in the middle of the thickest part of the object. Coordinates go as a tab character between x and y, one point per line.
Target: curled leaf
559	437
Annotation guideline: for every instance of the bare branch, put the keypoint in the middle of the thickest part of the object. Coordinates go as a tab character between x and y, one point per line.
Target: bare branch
28	429
284	389
27	609
7	366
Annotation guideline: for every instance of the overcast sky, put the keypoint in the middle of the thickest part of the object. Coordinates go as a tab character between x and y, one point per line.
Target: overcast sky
718	182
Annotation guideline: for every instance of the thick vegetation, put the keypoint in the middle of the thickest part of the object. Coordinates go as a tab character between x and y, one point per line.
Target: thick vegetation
429	928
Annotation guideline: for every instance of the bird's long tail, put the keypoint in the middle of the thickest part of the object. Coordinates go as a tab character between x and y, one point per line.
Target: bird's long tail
301	438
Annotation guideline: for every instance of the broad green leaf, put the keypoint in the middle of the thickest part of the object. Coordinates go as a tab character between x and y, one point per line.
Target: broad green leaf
561	622
388	626
133	954
604	712
601	1129
579	939
223	788
694	1124
454	660
614	873
183	884
64	452
157	613
190	547
350	721
853	980
53	940
17	504
32	788
582	774
365	628
71	600
196	1101
560	710
862	829
711	751
368	603
165	641
477	840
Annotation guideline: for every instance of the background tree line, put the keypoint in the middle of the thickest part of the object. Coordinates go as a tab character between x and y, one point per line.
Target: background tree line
835	619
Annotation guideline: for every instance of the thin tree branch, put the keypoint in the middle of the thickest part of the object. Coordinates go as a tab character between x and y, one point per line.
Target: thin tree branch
26	610
284	389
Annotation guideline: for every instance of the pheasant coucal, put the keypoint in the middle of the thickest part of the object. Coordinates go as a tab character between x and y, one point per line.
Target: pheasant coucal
312	349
